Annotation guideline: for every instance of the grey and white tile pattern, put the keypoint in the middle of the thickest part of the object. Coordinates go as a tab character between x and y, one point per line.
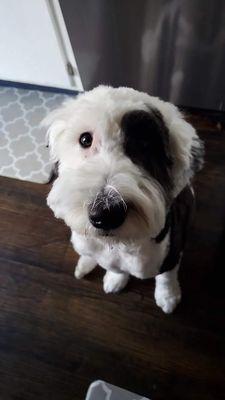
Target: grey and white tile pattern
23	152
100	390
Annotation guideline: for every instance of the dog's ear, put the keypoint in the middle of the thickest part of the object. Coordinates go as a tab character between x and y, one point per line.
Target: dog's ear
186	148
57	122
56	126
54	133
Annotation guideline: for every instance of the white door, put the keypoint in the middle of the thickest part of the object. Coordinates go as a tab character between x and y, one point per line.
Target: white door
34	45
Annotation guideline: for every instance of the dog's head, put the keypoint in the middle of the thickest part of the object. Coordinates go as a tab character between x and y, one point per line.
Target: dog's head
123	156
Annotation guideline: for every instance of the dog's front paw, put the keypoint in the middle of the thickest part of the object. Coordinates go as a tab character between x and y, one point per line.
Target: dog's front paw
168	303
79	273
84	266
167	290
114	282
167	298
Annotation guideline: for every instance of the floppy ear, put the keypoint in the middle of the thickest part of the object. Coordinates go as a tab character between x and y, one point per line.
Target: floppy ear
54	133
56	124
186	147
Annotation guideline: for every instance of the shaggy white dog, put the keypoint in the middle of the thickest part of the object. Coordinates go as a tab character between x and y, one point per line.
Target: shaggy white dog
125	164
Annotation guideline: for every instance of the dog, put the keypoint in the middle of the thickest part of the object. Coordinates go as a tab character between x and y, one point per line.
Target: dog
125	166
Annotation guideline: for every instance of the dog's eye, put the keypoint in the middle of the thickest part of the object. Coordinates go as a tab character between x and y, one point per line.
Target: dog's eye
85	139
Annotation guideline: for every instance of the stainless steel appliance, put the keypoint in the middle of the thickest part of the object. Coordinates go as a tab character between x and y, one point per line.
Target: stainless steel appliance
174	49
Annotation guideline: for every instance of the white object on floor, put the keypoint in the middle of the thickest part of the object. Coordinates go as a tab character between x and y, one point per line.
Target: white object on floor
23	151
100	390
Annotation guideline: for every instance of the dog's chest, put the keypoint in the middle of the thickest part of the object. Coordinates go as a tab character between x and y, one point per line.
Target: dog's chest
142	259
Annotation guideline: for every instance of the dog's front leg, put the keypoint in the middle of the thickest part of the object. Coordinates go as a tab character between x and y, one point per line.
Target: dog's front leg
114	281
85	265
167	290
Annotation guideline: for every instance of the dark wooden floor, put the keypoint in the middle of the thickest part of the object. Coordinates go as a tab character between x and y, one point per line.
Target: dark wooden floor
57	334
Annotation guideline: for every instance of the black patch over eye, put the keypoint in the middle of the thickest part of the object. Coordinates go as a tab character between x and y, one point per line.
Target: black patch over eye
86	139
146	143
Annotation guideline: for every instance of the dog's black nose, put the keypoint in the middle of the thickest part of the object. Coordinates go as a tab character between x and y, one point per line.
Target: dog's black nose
108	217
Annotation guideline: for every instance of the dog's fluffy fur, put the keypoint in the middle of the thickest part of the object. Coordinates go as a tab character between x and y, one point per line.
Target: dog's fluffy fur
143	155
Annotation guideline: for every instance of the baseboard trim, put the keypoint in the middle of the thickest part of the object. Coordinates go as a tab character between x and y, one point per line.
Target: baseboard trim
30	86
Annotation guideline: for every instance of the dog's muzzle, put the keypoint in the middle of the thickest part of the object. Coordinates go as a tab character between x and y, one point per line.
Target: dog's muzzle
108	211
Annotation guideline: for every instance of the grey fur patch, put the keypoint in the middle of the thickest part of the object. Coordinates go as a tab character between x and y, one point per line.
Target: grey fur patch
197	153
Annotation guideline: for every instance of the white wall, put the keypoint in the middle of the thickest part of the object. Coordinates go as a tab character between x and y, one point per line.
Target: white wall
29	49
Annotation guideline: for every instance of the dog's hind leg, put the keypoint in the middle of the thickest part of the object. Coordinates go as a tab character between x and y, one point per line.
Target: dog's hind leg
85	265
167	290
114	281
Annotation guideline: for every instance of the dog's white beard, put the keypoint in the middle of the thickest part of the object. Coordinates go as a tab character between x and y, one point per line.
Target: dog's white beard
74	191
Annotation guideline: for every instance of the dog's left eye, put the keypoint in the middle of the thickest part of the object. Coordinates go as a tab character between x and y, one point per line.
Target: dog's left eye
86	139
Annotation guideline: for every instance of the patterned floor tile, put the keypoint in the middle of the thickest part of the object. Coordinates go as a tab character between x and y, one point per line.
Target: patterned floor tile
23	152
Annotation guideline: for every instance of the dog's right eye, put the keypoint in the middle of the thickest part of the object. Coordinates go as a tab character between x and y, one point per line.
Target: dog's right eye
86	139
